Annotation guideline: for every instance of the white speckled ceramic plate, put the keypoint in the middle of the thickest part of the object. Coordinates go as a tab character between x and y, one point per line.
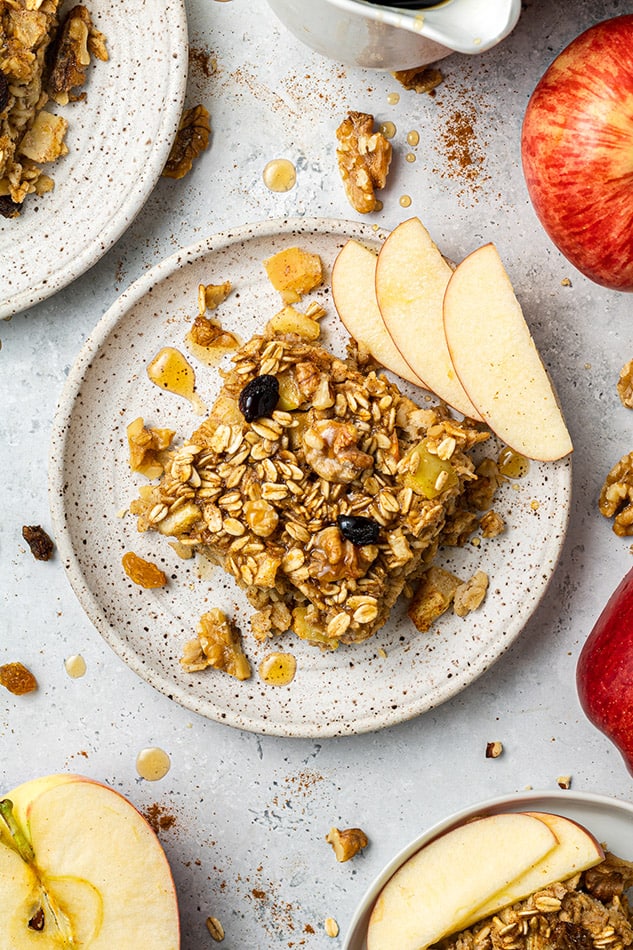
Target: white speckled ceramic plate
609	820
393	677
118	141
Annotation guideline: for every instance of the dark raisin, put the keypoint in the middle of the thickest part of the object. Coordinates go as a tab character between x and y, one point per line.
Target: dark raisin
8	208
358	530
4	91
39	542
259	397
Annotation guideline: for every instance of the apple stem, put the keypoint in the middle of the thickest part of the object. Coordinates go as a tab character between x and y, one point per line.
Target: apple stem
22	844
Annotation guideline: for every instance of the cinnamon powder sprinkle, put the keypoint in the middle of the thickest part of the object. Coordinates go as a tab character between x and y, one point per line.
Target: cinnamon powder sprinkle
158	819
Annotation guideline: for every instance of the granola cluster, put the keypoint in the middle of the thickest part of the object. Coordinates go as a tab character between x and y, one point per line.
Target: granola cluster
326	505
42	58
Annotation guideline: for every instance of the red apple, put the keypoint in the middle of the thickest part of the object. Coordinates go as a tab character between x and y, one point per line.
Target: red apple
577	151
604	674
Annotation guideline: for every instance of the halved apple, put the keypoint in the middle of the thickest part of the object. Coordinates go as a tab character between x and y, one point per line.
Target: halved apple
80	867
497	361
411	278
354	294
577	849
435	891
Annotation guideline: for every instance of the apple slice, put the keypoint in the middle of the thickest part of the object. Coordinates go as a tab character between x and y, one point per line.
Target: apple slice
438	887
497	361
80	867
577	849
411	277
354	294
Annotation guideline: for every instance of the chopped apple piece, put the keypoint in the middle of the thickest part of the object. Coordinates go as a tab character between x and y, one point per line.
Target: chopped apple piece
411	277
80	867
435	891
577	849
354	296
497	361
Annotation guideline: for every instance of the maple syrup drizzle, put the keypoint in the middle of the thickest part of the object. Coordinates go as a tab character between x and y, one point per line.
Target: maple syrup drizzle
405	201
170	370
388	129
75	666
413	138
393	98
278	669
280	175
512	464
152	764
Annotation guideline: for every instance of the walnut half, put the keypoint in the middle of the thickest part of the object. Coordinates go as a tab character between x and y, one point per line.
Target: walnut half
192	138
363	157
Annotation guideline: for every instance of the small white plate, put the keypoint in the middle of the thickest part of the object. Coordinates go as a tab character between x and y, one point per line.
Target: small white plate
118	141
609	820
392	677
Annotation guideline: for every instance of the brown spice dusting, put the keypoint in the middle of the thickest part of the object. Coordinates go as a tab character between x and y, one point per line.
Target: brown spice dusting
38	541
462	153
202	61
17	679
158	819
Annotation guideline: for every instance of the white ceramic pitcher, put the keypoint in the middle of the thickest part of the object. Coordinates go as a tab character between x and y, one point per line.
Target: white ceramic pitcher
359	33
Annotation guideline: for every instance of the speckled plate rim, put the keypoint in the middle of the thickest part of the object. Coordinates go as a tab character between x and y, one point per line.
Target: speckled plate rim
548	554
76	264
600	814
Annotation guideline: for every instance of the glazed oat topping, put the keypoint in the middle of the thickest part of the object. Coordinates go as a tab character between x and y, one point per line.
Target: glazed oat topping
41	58
364	156
588	912
217	644
274	498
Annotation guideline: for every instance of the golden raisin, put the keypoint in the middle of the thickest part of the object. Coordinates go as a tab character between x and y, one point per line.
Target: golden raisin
17	679
142	572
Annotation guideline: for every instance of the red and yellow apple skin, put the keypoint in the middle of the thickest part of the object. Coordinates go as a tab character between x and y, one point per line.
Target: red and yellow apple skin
577	152
604	673
80	867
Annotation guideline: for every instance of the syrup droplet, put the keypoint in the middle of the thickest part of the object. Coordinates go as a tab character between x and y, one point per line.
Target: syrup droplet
405	201
409	157
413	138
278	669
378	207
75	666
513	465
153	764
280	175
388	129
171	371
393	98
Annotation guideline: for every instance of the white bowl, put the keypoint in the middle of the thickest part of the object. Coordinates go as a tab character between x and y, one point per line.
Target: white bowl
609	820
358	33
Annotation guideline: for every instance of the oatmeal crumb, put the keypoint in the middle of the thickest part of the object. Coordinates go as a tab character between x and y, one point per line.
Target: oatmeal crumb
470	596
331	927
564	781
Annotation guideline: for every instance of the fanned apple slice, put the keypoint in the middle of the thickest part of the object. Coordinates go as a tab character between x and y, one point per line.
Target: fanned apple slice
497	361
577	849
411	277
354	295
433	892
